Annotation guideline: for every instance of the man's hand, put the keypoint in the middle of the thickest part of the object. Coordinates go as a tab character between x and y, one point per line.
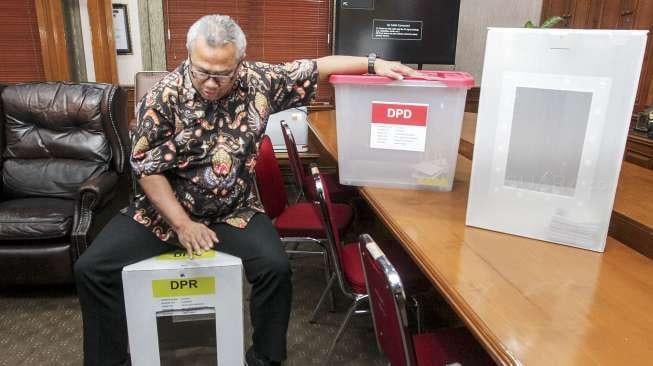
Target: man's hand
196	237
193	236
394	70
351	65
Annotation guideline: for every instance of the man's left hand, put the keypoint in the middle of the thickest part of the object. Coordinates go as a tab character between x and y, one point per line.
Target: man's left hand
394	70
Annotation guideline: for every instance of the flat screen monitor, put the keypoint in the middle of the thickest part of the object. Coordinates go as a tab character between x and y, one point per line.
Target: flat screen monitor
410	31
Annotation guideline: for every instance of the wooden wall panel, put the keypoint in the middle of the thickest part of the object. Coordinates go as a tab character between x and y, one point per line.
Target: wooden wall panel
643	19
276	31
20	45
612	14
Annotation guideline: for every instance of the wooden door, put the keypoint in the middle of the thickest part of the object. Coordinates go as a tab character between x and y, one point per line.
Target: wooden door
576	13
611	14
642	18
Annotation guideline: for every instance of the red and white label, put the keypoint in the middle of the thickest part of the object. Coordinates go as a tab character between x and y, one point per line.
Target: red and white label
398	126
399	113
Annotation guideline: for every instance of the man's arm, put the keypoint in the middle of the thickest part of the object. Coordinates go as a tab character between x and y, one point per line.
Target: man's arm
153	152
358	65
194	236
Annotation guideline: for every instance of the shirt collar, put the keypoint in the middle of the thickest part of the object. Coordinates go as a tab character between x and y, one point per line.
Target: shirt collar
189	91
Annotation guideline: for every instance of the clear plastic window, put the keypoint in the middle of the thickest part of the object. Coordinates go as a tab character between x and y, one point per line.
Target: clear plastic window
187	337
546	140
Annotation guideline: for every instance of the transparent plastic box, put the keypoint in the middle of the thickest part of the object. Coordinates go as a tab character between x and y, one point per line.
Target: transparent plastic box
400	133
553	119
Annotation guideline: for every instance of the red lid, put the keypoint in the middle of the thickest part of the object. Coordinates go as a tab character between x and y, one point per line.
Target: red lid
452	79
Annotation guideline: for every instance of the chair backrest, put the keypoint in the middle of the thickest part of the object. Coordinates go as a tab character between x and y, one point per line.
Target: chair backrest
58	135
144	81
327	213
269	179
387	303
298	171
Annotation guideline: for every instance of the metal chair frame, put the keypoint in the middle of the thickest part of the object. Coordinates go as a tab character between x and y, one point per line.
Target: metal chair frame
357	299
295	166
395	286
287	241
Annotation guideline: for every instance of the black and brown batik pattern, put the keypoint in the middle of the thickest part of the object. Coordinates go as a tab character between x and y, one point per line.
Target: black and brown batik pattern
207	150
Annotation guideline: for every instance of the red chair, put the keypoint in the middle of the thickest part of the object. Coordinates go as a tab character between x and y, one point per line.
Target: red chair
388	306
298	219
304	181
298	222
346	261
348	266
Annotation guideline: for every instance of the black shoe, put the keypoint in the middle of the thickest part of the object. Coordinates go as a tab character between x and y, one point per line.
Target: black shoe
253	359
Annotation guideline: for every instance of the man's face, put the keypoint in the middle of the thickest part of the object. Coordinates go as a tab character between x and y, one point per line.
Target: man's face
213	70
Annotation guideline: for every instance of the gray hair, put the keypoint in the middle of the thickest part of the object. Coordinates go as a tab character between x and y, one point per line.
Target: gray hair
217	30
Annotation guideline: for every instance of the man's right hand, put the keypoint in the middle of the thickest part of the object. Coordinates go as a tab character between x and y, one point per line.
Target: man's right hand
196	237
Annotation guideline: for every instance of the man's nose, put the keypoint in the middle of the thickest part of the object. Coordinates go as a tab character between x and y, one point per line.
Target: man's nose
212	83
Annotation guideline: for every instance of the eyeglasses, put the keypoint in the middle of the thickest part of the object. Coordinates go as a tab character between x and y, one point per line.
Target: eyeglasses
220	79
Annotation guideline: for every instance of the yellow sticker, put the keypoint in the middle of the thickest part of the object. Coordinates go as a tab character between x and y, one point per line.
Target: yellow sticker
178	255
175	287
433	181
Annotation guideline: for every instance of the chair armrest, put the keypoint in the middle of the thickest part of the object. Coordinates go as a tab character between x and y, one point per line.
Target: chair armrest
93	193
101	187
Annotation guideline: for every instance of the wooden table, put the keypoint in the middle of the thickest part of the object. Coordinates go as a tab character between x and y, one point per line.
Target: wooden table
528	302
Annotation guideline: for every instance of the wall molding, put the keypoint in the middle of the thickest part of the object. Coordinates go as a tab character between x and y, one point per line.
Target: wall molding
52	32
100	15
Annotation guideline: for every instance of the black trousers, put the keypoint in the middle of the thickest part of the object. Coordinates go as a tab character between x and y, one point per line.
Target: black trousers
124	241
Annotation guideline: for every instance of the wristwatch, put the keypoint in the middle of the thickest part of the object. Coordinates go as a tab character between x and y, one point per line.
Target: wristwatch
371	58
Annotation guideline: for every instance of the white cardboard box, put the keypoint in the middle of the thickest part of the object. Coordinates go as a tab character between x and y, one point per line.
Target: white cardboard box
553	119
185	312
296	118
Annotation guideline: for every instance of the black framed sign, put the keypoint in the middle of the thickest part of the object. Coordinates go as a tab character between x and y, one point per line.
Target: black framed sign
121	29
411	31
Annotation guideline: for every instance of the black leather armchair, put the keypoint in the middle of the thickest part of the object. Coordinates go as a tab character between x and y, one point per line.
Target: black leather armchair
63	159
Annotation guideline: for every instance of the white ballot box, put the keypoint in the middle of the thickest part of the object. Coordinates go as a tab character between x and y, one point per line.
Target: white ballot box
553	119
183	311
400	133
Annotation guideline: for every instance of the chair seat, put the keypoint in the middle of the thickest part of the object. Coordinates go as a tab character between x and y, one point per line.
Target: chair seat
303	219
337	192
36	218
448	346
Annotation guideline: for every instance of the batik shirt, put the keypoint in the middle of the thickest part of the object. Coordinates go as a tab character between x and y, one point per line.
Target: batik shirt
207	150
